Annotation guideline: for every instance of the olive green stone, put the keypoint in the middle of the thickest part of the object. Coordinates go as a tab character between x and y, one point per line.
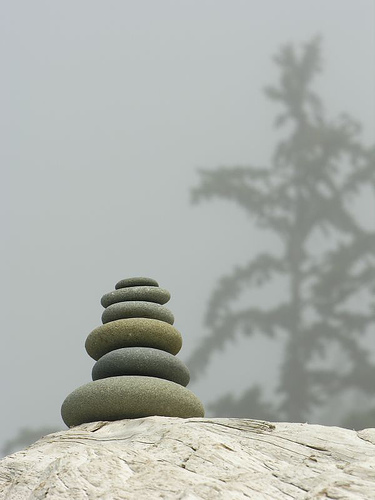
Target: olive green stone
135	309
143	293
137	281
117	398
133	332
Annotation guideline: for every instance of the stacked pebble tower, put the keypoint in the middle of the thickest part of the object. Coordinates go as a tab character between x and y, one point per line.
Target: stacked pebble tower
136	373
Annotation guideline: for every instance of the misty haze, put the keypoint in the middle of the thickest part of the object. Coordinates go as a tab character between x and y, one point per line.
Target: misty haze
225	149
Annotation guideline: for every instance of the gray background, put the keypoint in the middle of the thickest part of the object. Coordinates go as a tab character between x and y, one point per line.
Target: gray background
107	110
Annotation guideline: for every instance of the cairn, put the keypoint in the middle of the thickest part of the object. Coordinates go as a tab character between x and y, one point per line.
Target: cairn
137	373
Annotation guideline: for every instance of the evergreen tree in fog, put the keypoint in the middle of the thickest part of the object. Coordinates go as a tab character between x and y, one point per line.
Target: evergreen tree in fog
306	198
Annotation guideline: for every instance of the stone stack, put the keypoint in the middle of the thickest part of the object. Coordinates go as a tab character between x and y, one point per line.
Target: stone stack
136	373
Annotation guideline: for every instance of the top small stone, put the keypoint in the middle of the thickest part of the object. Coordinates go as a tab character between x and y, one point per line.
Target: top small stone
137	281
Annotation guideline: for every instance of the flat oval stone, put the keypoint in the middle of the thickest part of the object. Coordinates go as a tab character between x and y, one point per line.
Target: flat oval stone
144	361
135	309
117	398
137	281
133	332
140	293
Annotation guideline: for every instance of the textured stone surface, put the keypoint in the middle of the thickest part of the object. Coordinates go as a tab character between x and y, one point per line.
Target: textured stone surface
194	459
141	361
133	332
143	293
137	281
135	309
115	398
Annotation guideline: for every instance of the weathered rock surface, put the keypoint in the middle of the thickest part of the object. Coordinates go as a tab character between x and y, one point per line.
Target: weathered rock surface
191	459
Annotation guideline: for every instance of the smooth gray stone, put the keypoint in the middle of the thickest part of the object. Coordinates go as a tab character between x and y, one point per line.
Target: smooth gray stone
141	361
116	398
137	281
135	309
133	332
140	293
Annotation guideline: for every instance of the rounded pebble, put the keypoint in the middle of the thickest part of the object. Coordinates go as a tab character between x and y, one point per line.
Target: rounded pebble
133	332
117	398
137	281
143	293
141	361
135	309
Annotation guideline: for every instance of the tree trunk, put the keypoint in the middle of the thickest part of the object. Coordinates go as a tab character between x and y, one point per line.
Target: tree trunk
191	459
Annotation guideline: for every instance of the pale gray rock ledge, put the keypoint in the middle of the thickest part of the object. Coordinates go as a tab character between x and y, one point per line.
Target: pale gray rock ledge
192	459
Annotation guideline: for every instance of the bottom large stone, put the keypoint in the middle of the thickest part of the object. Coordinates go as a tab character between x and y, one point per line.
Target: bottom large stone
116	398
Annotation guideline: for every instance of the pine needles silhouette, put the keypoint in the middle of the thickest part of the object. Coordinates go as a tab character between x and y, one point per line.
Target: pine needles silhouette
305	198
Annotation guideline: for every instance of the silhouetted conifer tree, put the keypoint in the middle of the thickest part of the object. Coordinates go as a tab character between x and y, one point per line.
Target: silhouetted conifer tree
328	257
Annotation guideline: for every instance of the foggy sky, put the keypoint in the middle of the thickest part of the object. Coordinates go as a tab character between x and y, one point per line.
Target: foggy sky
108	109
